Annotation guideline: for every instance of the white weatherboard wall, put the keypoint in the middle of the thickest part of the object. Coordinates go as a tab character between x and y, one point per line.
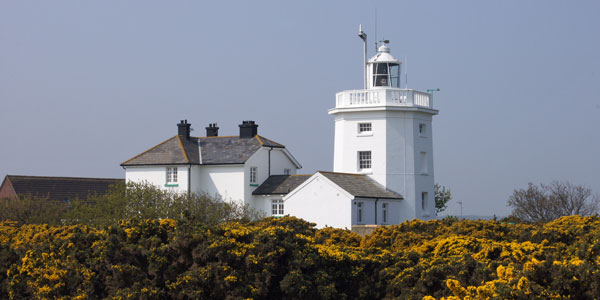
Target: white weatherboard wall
157	175
368	211
320	201
369	206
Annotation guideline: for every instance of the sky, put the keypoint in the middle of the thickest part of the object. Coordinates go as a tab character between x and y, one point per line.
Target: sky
85	85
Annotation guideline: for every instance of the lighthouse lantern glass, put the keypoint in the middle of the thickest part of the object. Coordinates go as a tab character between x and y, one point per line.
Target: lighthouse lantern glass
386	75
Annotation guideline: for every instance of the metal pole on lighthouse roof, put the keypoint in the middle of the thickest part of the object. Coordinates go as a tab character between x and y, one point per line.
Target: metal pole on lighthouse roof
363	36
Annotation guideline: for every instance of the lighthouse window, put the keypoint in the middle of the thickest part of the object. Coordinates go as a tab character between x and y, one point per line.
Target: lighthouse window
364	160
364	127
424	167
422	129
386	74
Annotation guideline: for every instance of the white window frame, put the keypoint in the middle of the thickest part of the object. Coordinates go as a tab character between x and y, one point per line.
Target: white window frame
253	174
171	175
365	160
277	208
364	129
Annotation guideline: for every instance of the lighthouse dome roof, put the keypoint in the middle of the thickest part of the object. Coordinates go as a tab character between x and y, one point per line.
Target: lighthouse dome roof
383	55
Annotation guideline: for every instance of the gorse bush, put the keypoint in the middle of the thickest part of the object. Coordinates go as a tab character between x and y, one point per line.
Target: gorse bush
288	258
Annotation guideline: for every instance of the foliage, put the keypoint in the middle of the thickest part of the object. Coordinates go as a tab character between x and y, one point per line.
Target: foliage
548	202
288	258
141	201
32	209
442	197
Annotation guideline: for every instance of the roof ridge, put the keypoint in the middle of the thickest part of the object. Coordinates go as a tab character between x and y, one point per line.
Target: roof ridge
259	140
183	149
148	150
342	173
212	137
62	177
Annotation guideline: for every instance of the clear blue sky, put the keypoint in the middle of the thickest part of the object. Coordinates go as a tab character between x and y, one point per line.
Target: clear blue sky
85	85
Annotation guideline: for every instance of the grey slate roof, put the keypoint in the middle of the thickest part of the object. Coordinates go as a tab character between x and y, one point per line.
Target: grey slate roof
280	184
58	188
359	185
202	151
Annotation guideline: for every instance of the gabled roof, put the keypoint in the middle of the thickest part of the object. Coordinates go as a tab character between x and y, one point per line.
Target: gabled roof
280	184
216	150
361	186
57	188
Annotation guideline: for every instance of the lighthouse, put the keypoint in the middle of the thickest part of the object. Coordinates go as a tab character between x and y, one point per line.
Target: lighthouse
384	132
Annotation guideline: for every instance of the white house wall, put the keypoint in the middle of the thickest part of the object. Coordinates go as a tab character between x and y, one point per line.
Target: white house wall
262	203
280	162
319	201
225	181
157	175
260	159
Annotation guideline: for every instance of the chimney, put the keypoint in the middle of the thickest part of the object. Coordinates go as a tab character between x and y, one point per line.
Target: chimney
183	129
248	129
212	130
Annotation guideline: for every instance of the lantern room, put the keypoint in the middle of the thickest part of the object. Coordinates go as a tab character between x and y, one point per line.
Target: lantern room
383	70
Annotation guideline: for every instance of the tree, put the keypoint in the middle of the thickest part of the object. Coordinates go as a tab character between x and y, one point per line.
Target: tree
545	203
30	209
146	201
442	196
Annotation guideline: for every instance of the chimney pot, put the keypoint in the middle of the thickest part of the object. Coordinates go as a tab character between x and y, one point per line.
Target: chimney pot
183	129
212	130
248	129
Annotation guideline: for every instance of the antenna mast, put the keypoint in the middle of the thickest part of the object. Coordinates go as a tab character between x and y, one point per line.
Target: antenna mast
376	45
363	36
406	72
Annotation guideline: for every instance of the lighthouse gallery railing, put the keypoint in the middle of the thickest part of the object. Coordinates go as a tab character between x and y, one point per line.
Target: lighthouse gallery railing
389	97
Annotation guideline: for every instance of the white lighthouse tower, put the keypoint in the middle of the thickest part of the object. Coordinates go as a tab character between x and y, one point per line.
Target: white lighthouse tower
384	131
